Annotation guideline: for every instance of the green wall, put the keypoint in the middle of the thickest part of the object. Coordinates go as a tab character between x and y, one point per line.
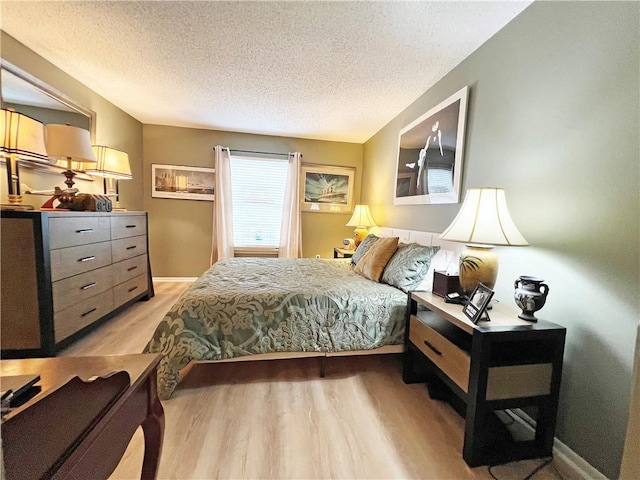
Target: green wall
114	128
180	230
553	118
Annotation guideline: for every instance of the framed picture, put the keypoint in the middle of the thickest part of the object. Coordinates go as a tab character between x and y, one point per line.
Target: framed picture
430	153
326	188
477	304
182	182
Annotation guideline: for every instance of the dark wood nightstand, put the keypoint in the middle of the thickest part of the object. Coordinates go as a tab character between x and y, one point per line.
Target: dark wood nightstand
504	363
342	253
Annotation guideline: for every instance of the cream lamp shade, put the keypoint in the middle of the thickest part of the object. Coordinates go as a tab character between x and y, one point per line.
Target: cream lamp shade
362	220
73	144
482	223
22	138
114	166
111	163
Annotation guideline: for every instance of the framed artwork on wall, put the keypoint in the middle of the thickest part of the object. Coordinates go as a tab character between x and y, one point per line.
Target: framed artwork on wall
326	188
182	183
430	152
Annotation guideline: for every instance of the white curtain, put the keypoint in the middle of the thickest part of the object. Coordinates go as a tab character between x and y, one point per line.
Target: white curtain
222	241
291	231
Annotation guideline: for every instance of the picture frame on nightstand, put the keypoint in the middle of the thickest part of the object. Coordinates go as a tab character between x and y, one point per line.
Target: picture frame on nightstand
476	307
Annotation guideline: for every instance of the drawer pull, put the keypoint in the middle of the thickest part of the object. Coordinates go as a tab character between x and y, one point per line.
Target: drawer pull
88	286
435	350
130	226
86	259
131	268
131	247
90	311
85	230
132	289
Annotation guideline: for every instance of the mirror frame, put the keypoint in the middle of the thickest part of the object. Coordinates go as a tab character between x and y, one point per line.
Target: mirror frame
59	97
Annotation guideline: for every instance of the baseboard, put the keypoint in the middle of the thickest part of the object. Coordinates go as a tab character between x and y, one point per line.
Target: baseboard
569	464
174	279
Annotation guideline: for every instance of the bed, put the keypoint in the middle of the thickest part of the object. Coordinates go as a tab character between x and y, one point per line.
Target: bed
257	308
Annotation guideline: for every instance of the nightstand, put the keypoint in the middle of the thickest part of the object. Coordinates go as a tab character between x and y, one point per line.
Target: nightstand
504	363
342	253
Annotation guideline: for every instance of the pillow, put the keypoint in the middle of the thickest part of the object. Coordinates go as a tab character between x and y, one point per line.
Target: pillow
440	261
363	248
408	266
372	264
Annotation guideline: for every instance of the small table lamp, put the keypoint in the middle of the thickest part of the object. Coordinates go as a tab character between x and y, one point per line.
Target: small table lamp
113	166
361	219
482	223
22	137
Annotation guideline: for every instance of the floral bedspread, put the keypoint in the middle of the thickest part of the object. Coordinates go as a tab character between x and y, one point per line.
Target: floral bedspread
245	306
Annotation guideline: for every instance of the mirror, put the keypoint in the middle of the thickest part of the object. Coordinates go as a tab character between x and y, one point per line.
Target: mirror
28	95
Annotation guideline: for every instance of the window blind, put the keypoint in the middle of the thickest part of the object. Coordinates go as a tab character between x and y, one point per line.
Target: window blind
258	187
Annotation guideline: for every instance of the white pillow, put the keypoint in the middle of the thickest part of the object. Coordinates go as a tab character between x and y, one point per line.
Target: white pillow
443	260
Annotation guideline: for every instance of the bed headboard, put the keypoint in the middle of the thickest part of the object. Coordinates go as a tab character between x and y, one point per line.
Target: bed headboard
423	238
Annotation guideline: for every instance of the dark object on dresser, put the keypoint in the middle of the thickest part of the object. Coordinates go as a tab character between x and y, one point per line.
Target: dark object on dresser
444	284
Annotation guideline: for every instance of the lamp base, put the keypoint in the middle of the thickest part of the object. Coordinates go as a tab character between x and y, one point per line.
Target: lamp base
17	207
478	264
359	234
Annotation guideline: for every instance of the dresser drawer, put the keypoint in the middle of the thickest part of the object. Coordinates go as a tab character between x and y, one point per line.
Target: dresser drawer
127	269
70	320
128	248
453	361
123	226
131	288
72	231
67	262
75	289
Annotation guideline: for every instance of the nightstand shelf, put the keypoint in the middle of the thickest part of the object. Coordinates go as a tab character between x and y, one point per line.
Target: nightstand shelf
500	364
342	252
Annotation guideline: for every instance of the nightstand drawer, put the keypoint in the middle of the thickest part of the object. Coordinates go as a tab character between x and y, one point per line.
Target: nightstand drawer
67	262
128	226
75	289
453	361
128	247
69	232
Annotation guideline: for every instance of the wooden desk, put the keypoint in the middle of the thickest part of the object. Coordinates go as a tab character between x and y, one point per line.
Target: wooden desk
97	452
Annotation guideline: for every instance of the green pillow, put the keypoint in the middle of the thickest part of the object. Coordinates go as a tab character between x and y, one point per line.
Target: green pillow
363	248
408	266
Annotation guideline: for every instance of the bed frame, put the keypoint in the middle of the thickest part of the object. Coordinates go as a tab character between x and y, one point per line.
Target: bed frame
405	236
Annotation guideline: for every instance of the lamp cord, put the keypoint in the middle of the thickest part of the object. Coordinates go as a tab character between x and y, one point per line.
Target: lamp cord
528	477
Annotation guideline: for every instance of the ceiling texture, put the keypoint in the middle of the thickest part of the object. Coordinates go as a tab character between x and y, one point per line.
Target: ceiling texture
312	69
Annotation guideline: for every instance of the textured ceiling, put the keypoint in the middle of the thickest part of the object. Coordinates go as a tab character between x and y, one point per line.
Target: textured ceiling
323	70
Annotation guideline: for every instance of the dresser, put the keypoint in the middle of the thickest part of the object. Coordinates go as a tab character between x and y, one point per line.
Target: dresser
502	364
64	273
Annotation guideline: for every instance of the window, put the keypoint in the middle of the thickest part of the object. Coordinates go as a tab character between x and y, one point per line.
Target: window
258	187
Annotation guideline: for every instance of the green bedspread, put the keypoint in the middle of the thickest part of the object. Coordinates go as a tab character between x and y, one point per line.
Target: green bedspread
258	305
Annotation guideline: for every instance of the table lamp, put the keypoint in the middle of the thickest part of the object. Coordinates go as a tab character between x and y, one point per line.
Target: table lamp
22	138
113	166
361	219
73	145
482	223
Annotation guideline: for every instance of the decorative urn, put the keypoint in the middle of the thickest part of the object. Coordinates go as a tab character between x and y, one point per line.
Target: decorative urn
530	296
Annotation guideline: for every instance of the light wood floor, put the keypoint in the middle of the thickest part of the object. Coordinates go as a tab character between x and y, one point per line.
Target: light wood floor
278	419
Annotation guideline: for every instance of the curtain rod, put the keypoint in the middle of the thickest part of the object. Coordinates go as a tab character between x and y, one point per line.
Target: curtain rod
263	153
